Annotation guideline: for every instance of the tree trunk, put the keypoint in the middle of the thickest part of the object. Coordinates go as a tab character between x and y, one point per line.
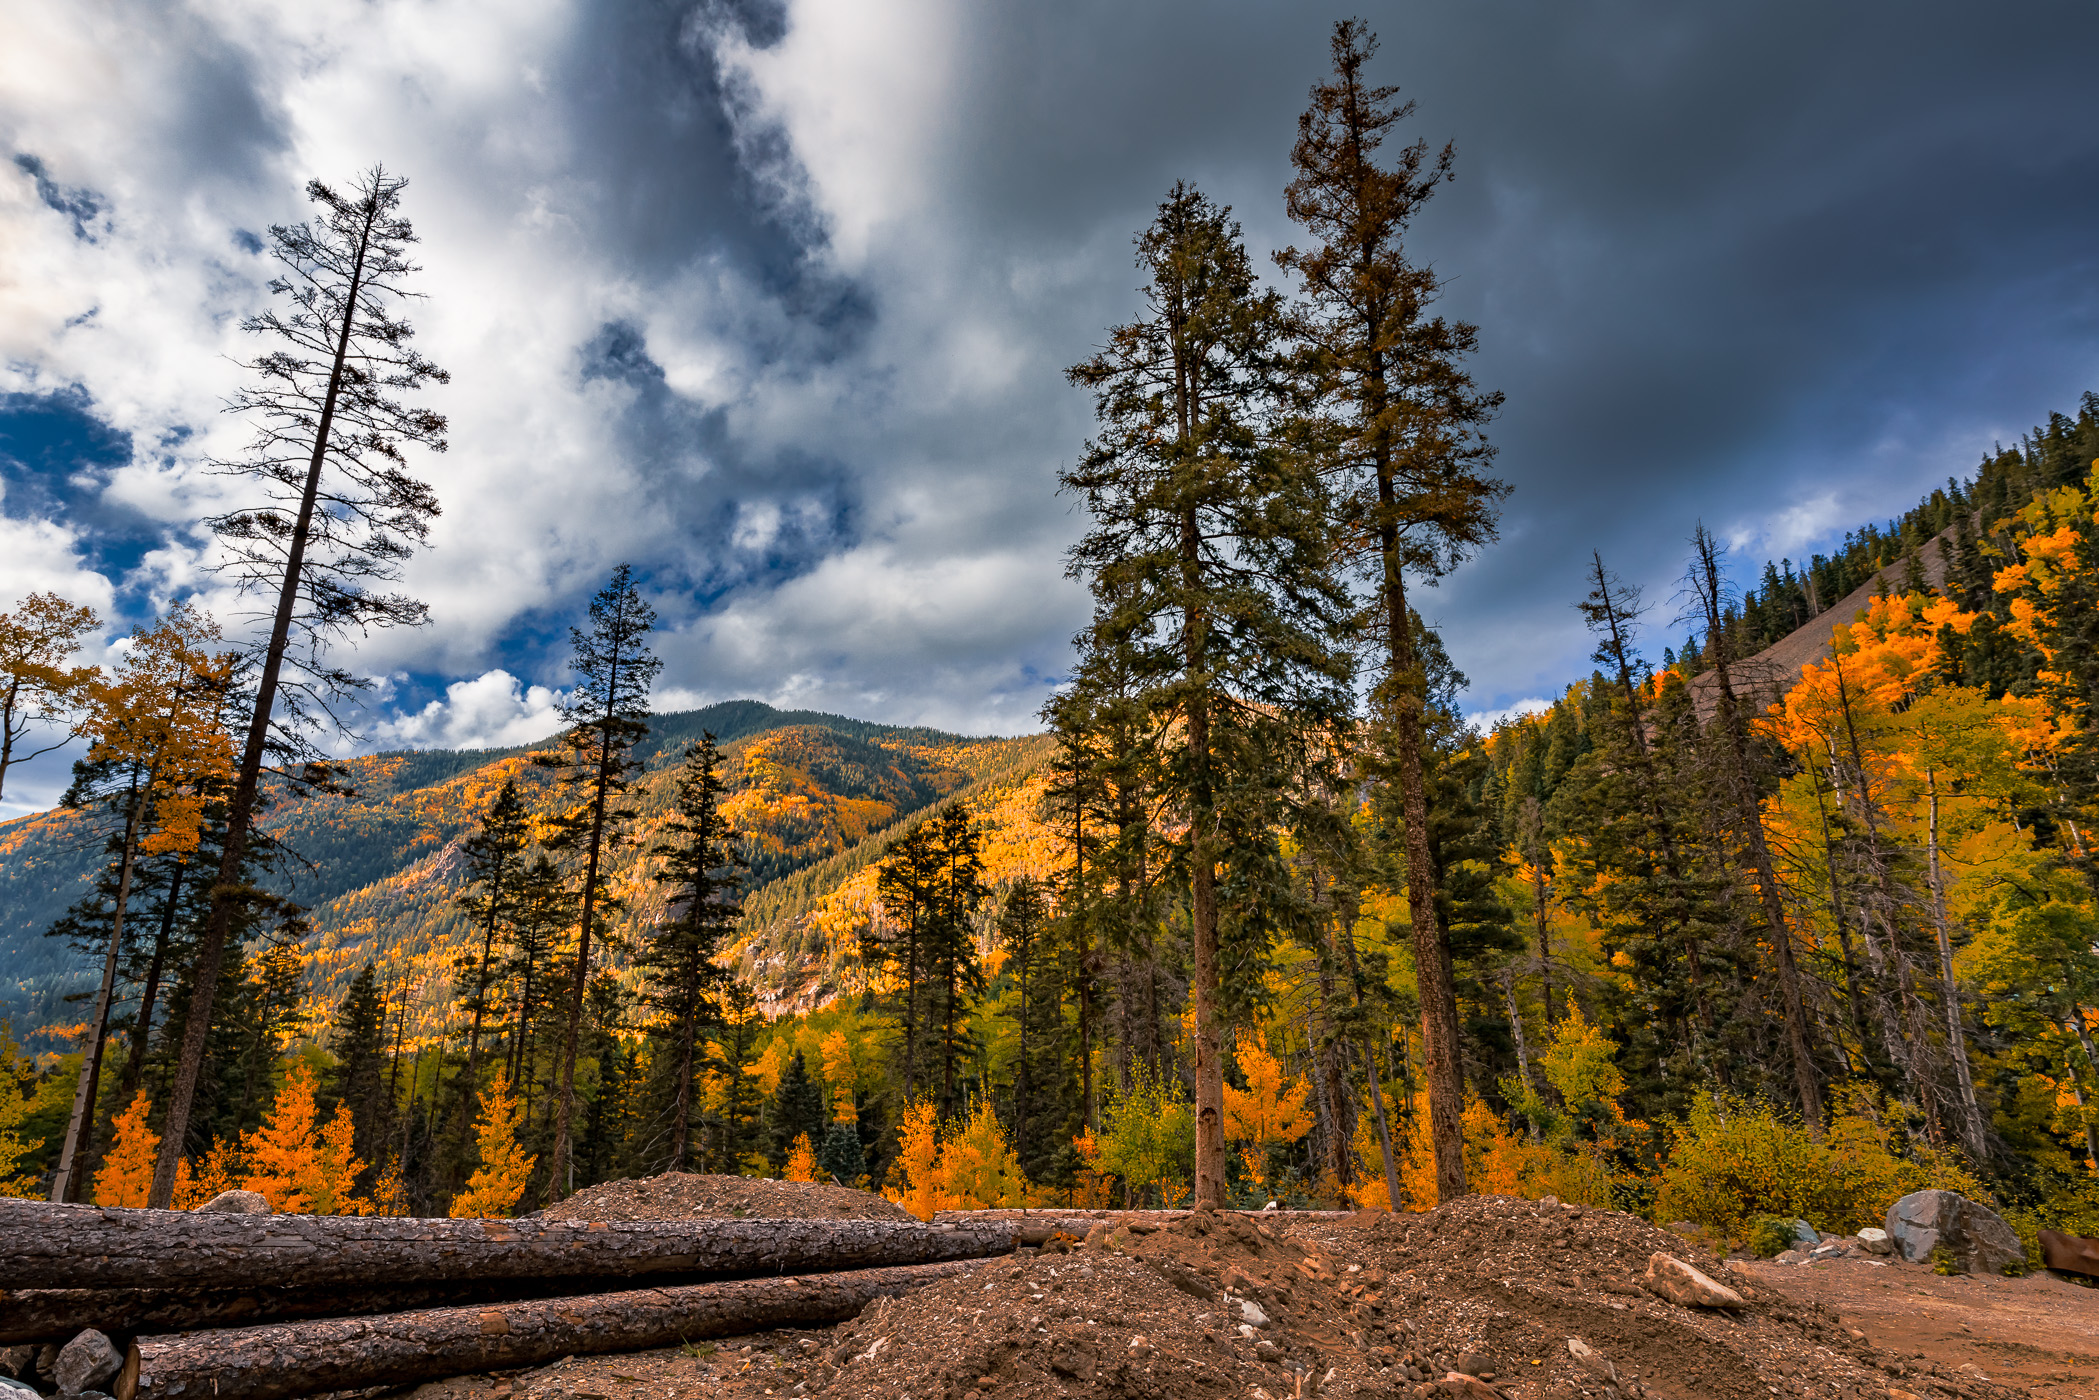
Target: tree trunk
1956	1039
265	1363
71	1246
66	1181
229	890
142	1026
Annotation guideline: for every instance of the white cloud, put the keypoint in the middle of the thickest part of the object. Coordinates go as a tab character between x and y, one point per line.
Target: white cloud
1486	720
493	711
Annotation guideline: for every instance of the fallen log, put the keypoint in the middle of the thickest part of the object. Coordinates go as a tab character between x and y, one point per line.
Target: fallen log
267	1363
43	1245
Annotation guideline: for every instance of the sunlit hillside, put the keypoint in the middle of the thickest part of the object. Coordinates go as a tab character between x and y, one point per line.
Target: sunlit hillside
815	797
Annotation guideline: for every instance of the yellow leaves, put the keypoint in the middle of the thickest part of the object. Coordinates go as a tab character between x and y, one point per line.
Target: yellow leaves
771	1065
499	1182
1580	1063
837	1052
298	1170
978	1170
918	1159
801	1160
1147	1136
222	1171
15	1105
126	1177
1266	1111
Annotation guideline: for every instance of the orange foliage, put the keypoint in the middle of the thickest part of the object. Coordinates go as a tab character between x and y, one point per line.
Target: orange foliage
126	1178
801	1160
918	1159
299	1171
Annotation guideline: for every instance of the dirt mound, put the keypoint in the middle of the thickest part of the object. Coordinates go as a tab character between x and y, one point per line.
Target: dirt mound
689	1196
1379	1306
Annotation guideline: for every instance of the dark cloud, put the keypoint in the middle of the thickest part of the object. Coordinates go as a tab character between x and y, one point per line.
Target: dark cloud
1779	267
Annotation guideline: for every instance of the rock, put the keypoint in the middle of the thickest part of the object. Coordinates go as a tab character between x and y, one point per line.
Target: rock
12	1389
85	1362
1829	1249
1806	1234
1251	1311
1265	1350
46	1358
1874	1241
1460	1384
1672	1278
18	1361
1792	1256
1592	1361
2071	1254
239	1203
1973	1236
1473	1364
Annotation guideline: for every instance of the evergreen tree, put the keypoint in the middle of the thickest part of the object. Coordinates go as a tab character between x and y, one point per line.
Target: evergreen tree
954	974
358	1078
1405	423
701	869
840	1155
606	714
341	514
898	944
797	1110
495	857
1208	556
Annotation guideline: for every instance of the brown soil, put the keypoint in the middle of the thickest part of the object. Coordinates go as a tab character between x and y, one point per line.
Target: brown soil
1379	1306
688	1196
2041	1331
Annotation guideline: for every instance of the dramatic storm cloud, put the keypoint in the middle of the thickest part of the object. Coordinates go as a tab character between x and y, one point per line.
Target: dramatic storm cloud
774	301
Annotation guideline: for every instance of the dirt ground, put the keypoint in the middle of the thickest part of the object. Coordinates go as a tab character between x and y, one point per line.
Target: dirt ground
1478	1299
2041	1332
689	1195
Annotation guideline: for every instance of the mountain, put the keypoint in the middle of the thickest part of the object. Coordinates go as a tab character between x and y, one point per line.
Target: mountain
818	798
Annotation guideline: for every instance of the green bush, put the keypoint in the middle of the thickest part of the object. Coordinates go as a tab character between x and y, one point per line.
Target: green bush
1770	1237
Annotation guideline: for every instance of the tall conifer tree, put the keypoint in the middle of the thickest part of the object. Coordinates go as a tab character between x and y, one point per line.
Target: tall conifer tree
342	513
1406	422
607	714
1209	562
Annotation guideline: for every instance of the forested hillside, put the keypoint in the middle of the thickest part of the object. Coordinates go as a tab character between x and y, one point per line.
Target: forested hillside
378	870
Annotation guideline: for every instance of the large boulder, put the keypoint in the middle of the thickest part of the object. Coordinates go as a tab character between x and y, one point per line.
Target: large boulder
1975	1238
239	1203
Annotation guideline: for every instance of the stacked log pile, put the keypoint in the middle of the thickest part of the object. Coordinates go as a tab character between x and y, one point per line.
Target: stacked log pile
261	1306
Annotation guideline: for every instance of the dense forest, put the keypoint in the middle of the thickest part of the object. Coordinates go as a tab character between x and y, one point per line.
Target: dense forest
1793	916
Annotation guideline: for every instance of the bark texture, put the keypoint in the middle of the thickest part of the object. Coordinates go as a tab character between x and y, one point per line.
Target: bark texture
266	1363
43	1245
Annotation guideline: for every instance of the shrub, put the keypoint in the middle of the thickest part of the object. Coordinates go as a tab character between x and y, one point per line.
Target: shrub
1770	1237
1735	1161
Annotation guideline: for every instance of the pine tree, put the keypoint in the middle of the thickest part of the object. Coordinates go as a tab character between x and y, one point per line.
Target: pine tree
1021	923
357	1080
701	869
342	513
1208	557
840	1155
954	975
1406	421
796	1111
495	857
897	944
606	714
1744	790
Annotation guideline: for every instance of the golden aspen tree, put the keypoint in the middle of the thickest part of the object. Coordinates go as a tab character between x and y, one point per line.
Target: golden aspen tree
801	1160
126	1177
37	688
918	1160
497	1185
840	1076
1267	1112
978	1170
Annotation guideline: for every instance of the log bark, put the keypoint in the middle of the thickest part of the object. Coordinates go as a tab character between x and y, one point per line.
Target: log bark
267	1363
44	1245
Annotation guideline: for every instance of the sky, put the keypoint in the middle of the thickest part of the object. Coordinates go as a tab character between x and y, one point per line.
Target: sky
772	299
